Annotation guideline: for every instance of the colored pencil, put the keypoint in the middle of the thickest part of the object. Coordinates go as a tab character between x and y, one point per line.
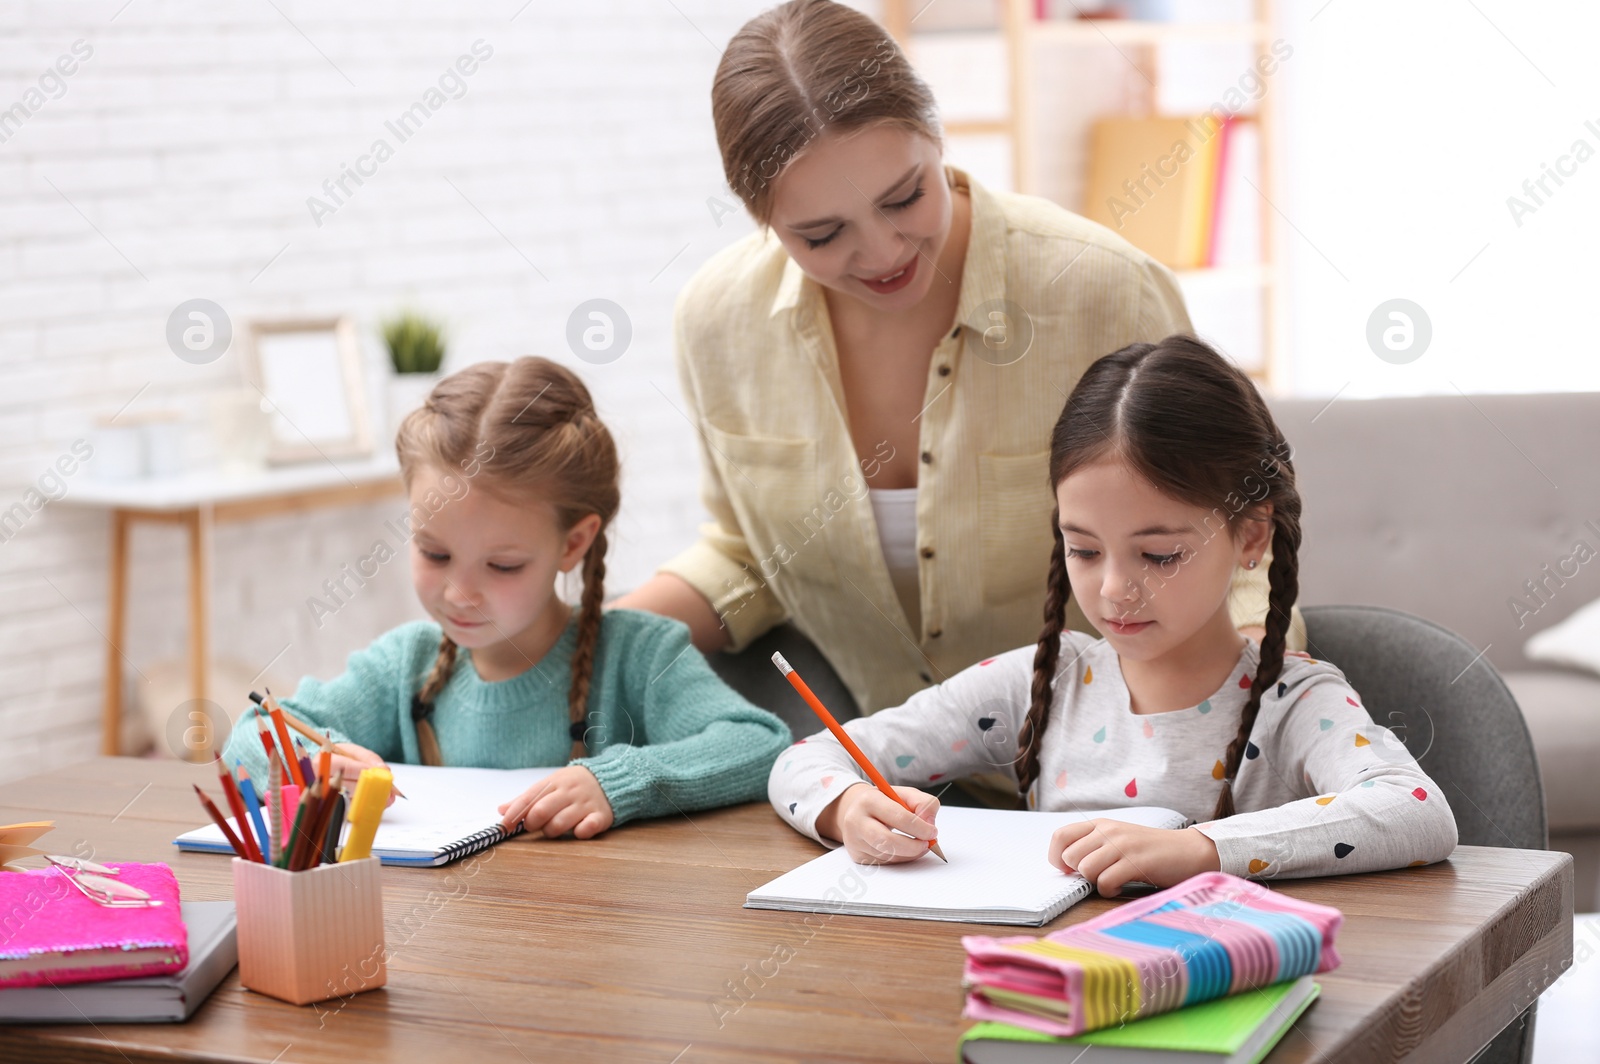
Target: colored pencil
848	743
293	844
230	790
222	822
264	730
275	805
307	773
330	843
325	759
252	801
284	741
317	841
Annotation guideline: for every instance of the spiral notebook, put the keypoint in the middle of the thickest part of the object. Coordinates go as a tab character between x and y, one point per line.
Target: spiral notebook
447	814
998	872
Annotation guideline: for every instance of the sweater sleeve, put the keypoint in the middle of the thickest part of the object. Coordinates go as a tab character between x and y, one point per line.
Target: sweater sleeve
360	705
692	743
1370	805
964	726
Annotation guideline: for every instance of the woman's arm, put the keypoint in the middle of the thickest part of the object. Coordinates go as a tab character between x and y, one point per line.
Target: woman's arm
671	595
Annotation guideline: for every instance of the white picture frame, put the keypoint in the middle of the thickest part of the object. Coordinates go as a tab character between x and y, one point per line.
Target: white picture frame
309	372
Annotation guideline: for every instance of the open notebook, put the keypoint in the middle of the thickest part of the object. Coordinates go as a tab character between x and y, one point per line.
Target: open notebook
447	813
998	872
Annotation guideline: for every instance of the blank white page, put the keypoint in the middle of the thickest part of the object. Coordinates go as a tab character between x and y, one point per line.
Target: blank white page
444	805
997	862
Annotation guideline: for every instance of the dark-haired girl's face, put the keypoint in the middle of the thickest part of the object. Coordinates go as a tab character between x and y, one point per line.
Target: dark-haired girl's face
1150	572
866	214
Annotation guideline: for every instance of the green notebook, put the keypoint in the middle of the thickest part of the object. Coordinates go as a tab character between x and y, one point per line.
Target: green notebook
1237	1029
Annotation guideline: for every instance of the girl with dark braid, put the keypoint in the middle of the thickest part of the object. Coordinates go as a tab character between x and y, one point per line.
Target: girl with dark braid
1168	475
513	480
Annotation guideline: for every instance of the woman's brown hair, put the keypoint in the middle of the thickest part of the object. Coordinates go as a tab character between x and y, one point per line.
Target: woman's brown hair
1191	424
798	70
524	431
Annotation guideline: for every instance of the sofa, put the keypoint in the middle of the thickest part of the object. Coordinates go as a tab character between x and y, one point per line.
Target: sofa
1467	510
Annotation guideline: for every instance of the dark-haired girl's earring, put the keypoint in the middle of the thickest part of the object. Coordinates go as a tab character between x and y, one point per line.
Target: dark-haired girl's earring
1251	564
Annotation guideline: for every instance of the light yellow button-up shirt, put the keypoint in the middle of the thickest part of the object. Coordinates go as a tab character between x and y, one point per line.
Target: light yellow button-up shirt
792	533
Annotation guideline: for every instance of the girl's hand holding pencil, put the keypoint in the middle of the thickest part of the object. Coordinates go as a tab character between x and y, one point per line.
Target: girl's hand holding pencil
872	845
878	830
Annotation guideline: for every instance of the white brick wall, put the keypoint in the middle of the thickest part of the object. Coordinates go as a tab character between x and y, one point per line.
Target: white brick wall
191	139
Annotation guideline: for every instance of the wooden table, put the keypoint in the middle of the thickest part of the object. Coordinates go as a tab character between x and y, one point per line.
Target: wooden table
634	947
197	501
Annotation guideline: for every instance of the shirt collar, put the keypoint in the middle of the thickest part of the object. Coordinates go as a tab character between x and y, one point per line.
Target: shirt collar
982	275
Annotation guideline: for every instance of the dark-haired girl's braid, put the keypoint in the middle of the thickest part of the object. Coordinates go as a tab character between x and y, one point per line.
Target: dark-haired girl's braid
1058	591
1283	581
594	581
422	704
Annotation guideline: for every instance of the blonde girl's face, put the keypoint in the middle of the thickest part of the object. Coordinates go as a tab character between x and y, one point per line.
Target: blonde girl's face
484	568
1150	572
866	214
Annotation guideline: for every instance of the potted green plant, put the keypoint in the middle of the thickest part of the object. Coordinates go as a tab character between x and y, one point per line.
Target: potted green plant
416	351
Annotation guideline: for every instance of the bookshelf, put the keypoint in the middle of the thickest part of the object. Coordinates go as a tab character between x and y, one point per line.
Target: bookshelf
1021	93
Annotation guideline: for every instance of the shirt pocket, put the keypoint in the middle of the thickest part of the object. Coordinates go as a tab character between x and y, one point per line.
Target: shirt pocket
1014	507
789	517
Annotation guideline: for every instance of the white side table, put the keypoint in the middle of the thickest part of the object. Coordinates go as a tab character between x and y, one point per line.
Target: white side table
197	501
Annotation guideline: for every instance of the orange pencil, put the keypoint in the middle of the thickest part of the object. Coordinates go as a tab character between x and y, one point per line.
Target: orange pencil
848	743
289	759
325	759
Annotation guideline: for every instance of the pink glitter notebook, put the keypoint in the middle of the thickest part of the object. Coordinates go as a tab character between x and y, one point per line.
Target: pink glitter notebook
51	934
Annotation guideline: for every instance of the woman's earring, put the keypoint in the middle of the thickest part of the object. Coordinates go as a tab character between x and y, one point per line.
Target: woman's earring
1251	564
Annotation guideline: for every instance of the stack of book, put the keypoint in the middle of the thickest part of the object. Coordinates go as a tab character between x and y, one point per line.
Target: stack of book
1212	937
83	942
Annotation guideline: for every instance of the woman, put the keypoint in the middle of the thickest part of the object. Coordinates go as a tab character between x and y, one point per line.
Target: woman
875	373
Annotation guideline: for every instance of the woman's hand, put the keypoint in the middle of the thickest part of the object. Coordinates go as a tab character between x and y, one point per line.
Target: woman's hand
352	761
1110	853
868	823
569	799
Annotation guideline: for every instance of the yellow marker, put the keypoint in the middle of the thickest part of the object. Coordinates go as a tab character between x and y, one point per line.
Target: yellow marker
366	809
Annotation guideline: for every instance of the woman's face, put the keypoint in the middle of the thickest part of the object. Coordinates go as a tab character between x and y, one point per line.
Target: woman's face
866	214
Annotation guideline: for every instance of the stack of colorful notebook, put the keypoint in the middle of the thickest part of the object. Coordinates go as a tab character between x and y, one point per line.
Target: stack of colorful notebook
1210	936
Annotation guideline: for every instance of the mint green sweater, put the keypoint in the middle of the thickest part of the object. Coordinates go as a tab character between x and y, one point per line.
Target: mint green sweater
665	734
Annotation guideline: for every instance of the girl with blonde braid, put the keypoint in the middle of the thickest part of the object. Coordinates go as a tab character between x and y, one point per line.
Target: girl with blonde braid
1168	475
513	479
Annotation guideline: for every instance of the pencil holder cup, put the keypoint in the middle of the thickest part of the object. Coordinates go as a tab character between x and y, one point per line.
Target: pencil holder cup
312	935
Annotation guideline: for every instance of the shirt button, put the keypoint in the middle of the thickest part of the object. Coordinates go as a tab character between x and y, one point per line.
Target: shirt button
935	633
927	552
926	678
927	458
955	332
944	371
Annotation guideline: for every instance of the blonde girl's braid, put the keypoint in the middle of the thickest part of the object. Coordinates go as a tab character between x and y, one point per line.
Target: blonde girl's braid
1283	580
1059	590
594	579
422	704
